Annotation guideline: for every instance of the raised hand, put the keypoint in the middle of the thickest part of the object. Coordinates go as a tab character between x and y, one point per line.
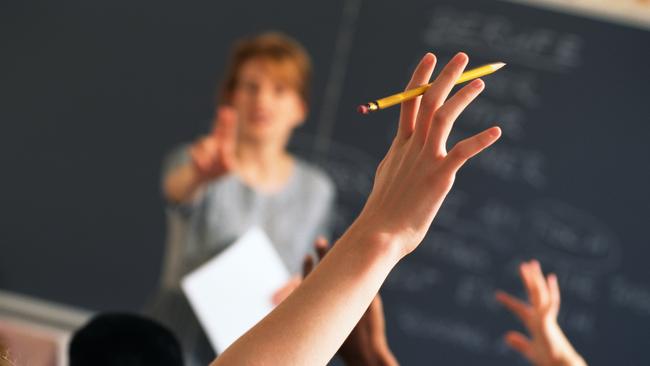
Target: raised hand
214	155
547	344
418	172
366	345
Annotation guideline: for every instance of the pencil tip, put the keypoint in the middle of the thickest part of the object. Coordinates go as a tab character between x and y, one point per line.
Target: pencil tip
497	65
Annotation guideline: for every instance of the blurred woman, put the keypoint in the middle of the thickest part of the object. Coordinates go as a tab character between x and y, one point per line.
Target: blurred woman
241	175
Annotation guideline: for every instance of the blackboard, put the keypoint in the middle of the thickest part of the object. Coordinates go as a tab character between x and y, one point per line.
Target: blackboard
94	94
567	184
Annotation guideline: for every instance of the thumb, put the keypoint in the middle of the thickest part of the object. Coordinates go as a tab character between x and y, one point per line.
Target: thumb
520	343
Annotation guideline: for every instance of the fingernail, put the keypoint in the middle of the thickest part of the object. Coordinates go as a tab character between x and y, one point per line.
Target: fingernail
478	83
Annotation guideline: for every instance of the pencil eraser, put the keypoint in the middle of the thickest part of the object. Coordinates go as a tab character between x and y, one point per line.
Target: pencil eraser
363	109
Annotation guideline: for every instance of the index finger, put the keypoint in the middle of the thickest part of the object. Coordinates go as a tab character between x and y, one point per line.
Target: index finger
224	123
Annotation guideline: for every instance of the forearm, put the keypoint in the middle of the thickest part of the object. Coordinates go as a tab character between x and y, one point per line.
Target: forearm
182	184
311	324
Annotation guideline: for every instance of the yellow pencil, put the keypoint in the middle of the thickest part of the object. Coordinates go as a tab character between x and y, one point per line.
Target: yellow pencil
415	92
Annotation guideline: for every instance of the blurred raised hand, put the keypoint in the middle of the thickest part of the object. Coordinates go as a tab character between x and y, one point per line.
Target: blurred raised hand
214	155
546	344
211	156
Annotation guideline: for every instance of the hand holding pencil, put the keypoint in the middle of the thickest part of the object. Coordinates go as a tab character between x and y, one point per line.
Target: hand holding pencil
419	156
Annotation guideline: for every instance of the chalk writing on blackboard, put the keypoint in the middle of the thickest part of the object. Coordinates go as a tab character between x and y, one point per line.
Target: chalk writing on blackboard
497	36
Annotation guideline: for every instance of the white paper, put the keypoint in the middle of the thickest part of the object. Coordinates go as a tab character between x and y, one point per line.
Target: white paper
232	292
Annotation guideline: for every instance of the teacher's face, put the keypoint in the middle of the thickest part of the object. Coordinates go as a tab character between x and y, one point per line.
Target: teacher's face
268	107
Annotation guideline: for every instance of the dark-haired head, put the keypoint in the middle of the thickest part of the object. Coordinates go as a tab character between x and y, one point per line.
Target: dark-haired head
126	340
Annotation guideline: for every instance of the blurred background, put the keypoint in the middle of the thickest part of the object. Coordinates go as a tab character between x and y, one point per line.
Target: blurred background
94	94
